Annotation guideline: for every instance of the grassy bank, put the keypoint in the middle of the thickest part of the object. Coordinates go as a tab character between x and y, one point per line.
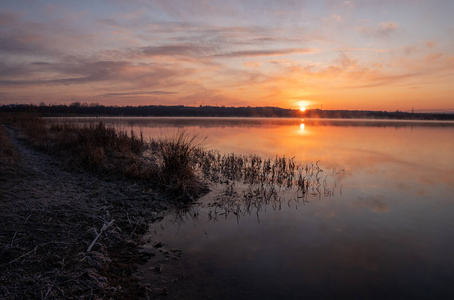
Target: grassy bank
163	164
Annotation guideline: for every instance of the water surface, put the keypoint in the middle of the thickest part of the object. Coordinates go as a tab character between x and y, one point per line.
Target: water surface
384	233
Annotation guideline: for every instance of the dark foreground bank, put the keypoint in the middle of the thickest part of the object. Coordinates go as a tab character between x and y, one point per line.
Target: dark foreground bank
50	217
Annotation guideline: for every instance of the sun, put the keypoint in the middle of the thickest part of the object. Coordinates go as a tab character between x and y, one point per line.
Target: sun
303	104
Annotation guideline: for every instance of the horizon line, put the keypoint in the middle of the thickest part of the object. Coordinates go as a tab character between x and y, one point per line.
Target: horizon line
431	110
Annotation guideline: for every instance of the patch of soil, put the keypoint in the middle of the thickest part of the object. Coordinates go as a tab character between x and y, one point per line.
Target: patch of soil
49	216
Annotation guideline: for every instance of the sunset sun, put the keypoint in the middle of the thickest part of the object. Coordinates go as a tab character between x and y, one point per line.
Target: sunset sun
303	104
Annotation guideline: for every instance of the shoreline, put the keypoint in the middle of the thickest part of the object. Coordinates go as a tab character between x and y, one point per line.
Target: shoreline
50	216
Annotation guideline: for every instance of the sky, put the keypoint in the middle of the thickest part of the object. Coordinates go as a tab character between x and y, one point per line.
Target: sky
358	54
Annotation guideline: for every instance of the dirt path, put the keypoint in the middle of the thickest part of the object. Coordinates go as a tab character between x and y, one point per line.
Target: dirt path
48	218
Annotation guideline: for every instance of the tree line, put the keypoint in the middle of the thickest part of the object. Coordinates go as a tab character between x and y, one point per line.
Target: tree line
95	109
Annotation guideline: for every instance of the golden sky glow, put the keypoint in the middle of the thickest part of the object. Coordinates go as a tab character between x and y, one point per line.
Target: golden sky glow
377	55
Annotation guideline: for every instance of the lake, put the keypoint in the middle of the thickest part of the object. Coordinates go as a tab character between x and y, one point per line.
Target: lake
384	231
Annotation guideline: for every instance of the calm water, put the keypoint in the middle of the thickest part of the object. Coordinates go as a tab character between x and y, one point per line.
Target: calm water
386	232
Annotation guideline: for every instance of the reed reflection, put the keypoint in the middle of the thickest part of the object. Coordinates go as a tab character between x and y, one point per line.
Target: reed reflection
248	184
240	200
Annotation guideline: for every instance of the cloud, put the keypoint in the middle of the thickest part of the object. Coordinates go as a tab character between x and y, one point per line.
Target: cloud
275	52
382	30
431	58
252	64
410	49
364	50
333	18
41	63
7	17
17	45
348	72
127	94
348	4
430	44
377	80
81	71
176	50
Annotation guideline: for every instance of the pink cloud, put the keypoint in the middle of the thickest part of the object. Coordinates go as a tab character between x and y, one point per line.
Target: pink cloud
384	29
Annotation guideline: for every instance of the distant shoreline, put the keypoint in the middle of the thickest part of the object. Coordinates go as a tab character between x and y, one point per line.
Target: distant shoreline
83	109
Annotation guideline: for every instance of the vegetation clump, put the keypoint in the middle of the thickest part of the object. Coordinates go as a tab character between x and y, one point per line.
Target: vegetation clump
101	149
177	168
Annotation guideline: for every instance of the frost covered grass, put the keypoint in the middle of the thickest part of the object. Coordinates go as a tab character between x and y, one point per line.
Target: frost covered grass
8	153
163	164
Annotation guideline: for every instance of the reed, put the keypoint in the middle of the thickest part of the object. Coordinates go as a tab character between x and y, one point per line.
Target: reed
252	169
251	183
177	169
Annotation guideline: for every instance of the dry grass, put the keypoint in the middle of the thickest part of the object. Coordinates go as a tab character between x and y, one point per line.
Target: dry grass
114	152
8	153
94	147
177	168
99	148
